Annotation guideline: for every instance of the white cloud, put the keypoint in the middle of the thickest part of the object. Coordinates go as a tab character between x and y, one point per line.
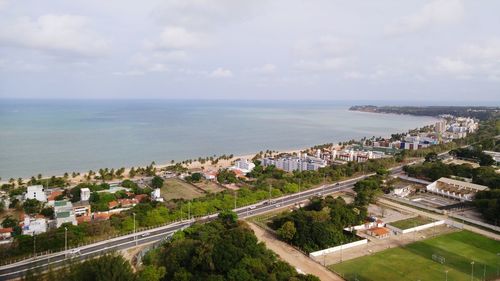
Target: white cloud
129	73
437	12
176	37
3	4
206	14
57	34
324	54
326	64
221	73
450	65
265	69
324	46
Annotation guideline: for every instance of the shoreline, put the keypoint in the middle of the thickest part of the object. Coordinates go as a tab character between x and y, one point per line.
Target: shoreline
197	165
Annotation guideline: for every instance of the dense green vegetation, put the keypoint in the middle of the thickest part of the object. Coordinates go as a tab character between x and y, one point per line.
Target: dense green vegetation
475	154
111	267
434	170
479	112
414	261
321	223
225	249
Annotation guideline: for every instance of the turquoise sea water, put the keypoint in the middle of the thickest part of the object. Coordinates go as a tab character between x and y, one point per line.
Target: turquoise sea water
57	136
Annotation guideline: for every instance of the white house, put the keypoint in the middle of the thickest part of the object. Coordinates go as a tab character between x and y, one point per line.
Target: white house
156	195
34	225
36	192
85	194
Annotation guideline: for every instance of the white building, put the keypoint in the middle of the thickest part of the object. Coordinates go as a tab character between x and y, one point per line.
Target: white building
85	194
33	225
63	211
294	163
459	190
36	192
244	165
156	195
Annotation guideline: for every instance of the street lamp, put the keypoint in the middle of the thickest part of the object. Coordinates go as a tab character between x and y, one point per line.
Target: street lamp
472	271
446	272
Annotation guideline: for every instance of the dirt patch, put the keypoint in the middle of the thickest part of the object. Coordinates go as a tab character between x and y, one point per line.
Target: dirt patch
178	189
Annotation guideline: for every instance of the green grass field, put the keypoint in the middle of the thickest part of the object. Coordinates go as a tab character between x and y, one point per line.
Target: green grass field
414	261
411	222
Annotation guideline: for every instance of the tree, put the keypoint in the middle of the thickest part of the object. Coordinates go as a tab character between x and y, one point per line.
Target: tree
431	157
287	231
32	206
47	212
151	273
229	217
9	221
157	182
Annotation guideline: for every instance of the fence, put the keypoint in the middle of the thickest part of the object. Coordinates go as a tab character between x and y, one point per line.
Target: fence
416	228
337	248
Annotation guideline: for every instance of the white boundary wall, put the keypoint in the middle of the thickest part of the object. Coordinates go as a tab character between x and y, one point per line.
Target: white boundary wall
417	228
337	248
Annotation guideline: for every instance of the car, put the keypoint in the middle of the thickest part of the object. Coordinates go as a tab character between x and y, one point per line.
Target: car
145	234
278	205
337	184
74	252
251	207
319	193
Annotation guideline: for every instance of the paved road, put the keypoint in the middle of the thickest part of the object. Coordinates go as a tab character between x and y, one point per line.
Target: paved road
18	269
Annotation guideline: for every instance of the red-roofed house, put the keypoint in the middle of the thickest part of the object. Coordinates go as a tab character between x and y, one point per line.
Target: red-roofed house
112	205
101	216
53	195
127	202
379	232
5	233
140	197
82	219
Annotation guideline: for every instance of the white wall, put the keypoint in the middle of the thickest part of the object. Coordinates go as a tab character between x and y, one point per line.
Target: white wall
338	248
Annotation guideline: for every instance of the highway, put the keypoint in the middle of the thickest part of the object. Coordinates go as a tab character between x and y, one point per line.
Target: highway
54	260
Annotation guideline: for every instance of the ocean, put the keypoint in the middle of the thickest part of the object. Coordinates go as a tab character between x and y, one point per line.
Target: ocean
56	136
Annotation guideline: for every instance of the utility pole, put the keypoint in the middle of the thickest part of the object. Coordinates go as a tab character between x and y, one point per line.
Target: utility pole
235	198
270	194
189	210
34	245
66	239
472	271
446	276
135	237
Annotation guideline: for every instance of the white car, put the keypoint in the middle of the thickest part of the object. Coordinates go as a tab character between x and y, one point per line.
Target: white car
251	207
145	234
278	205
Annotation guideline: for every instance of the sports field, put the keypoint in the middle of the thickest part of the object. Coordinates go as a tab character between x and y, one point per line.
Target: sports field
411	222
422	260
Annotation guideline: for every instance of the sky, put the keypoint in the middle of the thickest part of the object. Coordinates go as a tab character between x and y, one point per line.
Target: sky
421	50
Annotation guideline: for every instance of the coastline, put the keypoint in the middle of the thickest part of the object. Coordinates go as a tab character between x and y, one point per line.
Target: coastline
195	165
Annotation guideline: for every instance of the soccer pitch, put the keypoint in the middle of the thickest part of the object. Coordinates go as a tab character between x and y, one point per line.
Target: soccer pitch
415	261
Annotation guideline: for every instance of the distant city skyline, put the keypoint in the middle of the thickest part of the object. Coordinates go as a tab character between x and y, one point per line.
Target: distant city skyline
430	51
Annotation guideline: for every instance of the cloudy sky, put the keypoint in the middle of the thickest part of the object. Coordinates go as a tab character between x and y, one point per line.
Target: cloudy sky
424	50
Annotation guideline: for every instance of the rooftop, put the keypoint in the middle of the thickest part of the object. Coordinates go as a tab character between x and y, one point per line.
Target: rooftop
462	184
